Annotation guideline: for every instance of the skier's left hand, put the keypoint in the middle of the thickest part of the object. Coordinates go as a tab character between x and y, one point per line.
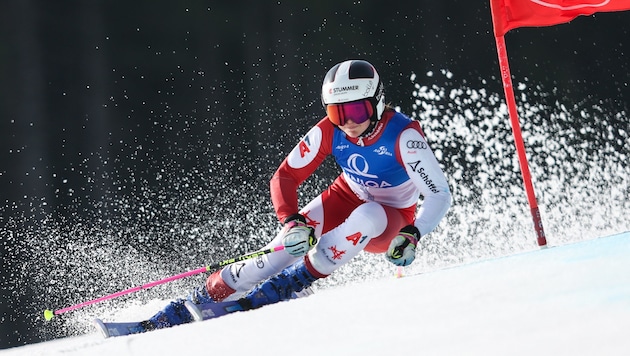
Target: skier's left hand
402	249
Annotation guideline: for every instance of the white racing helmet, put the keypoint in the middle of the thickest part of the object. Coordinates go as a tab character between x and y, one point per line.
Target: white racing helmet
354	80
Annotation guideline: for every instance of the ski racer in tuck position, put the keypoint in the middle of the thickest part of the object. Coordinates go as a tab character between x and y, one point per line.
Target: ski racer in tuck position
372	205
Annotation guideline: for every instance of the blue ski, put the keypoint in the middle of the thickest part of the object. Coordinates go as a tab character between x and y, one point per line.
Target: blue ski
212	310
199	312
118	329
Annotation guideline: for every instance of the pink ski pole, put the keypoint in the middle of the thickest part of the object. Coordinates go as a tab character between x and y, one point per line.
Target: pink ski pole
49	314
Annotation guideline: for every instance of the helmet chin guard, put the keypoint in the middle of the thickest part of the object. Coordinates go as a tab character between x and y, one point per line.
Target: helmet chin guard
354	80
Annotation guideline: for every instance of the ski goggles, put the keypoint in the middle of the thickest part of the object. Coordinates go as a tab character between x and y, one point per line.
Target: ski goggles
358	111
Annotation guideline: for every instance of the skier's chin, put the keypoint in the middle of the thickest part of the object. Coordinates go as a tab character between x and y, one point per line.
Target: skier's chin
353	131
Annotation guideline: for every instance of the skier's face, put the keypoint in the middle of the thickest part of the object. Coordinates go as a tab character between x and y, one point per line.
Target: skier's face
353	129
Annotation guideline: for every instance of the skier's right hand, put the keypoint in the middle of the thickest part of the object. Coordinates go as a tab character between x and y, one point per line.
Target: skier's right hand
298	238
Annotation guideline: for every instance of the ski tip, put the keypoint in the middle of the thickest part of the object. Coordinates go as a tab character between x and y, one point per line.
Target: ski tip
48	314
100	326
194	311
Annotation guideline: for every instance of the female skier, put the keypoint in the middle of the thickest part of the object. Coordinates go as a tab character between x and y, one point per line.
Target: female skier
386	166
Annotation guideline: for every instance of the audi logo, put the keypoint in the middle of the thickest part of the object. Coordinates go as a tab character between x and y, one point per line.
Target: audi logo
421	145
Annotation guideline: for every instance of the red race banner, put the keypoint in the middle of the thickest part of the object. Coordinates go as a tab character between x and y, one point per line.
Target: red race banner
510	14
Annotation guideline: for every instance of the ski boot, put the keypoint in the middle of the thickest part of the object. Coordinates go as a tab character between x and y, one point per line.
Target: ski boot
283	286
176	312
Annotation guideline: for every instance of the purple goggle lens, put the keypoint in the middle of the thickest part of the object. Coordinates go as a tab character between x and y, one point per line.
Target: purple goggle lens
357	111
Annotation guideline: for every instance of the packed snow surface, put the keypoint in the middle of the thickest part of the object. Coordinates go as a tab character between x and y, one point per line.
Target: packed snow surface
572	299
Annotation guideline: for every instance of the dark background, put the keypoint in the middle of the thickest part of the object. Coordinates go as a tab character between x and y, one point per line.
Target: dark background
111	112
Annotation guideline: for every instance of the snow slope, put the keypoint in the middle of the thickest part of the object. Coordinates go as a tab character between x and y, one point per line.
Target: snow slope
565	300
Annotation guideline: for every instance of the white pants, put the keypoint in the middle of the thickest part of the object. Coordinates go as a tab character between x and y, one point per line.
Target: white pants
334	248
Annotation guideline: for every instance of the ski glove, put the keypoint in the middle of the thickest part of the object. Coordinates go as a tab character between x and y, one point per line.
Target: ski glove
402	249
298	238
